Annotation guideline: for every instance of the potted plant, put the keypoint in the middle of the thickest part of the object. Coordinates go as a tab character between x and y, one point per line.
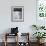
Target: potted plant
39	35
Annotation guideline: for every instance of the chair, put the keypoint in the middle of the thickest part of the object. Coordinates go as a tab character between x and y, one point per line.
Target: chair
24	36
14	32
8	35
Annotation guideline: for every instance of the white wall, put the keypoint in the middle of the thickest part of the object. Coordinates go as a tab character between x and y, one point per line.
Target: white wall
29	15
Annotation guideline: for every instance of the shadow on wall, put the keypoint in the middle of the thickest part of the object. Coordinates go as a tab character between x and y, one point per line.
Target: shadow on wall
7	30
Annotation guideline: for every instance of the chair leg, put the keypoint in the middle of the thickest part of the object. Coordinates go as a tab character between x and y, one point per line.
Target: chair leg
5	43
5	39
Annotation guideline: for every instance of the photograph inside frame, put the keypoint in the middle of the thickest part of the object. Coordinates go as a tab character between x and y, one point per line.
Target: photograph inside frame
17	14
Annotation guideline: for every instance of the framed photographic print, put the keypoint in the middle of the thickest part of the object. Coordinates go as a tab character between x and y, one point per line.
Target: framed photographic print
17	13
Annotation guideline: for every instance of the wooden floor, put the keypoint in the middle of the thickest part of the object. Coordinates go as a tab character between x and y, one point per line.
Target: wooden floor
13	44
